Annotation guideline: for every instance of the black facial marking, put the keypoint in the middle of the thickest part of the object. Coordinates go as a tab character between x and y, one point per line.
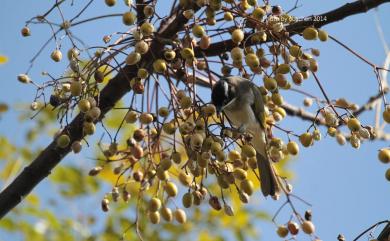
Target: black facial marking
222	93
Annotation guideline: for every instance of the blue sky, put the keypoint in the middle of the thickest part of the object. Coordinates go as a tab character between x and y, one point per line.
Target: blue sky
346	187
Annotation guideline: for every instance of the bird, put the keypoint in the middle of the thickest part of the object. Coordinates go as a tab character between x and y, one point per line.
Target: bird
241	101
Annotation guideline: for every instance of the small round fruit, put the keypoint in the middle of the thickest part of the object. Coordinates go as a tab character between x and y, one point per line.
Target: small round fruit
99	76
292	148
306	139
84	105
154	204
163	111
295	51
166	213
141	47
187	53
180	216
75	88
247	186
248	151
147	29
384	155
25	31
187	200
154	217
131	117
110	3
293	227
89	128
63	141
142	73
258	14
283	69
353	124
133	58
129	18
387	174
386	115
159	66
297	78
322	35
185	102
76	146
23	78
270	83
56	55
146	118
308	227
240	174
198	31
228	16
282	231
171	189
310	33
237	36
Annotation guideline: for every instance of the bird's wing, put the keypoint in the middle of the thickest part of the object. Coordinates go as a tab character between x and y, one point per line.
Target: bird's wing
258	106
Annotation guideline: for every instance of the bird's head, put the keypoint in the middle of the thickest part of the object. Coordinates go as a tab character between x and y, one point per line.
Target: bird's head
222	93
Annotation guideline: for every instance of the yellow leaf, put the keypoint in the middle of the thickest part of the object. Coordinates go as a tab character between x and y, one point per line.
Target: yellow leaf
33	199
3	59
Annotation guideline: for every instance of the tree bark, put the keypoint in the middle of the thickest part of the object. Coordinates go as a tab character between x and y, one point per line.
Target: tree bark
118	86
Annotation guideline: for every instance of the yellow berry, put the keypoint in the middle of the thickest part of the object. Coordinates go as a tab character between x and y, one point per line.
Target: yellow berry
283	69
75	88
270	83
171	189
154	217
131	117
248	151
166	213
237	36
63	141
154	204
282	231
295	51
228	16
56	55
310	33
292	148
159	66
84	105
129	18
306	139
146	118
110	3
353	124
247	186
198	31
384	155
23	78
180	216
386	115
133	58
308	227
147	29
322	35
258	14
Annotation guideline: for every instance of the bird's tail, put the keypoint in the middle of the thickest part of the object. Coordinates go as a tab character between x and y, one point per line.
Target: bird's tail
268	179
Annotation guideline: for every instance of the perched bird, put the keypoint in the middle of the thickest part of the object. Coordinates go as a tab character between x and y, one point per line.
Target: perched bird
242	103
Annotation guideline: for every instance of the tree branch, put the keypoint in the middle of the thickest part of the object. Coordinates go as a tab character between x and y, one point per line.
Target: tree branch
317	21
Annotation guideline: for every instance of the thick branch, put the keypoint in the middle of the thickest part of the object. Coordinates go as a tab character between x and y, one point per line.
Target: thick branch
318	21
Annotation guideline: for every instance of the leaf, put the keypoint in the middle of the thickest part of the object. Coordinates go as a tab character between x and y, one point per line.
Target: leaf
3	59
